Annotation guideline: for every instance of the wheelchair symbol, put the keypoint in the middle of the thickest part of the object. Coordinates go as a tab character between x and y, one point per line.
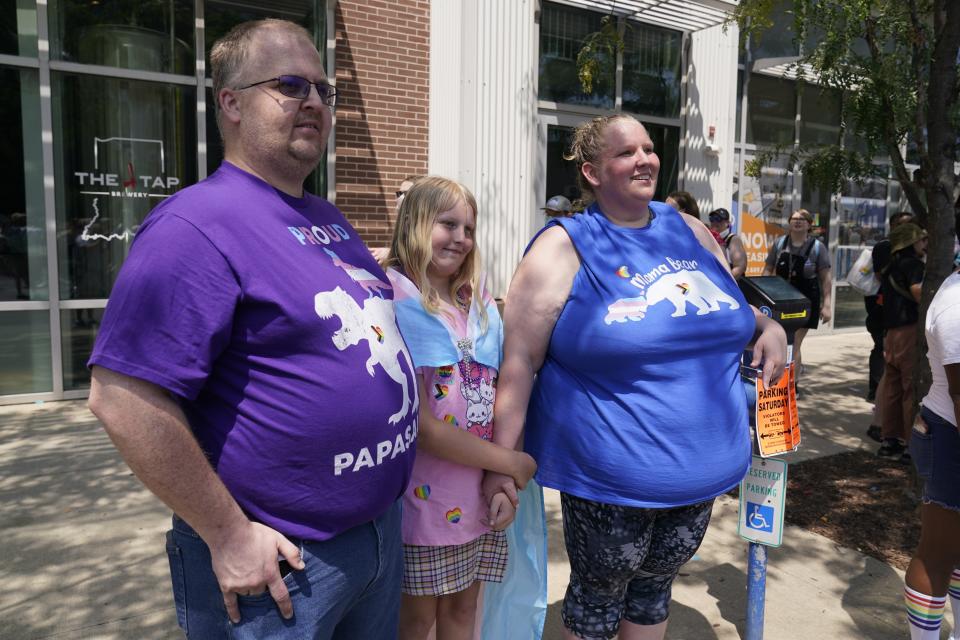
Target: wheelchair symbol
759	517
757	521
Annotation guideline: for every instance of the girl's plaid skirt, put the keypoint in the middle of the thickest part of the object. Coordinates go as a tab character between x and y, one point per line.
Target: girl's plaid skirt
438	571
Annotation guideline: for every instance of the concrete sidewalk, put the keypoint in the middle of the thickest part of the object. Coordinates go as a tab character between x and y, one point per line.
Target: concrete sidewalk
83	549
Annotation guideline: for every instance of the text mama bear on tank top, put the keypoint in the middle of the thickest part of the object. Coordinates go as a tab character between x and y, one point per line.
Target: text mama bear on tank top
639	401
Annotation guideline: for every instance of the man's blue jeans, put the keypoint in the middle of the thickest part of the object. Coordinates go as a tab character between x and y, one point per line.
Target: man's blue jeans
349	589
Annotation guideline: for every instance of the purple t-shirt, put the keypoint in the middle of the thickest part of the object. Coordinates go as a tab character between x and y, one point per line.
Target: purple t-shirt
266	315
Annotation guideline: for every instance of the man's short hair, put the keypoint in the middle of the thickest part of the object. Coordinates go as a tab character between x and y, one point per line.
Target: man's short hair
229	54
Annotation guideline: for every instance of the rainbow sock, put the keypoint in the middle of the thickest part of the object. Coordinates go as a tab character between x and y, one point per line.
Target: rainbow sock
924	613
954	593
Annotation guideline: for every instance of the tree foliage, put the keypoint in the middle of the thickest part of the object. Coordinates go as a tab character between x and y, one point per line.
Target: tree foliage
598	49
895	64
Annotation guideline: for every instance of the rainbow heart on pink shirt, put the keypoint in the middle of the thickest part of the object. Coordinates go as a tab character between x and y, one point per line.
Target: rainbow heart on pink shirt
454	515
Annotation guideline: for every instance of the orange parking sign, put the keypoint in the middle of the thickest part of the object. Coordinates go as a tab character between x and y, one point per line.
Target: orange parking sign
778	424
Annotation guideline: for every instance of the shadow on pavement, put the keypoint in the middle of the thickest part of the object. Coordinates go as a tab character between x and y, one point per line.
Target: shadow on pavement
83	540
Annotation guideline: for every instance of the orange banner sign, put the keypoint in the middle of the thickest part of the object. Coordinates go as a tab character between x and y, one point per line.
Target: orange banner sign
778	424
758	236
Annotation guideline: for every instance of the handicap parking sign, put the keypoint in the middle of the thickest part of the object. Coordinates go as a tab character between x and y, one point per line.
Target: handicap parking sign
759	517
762	499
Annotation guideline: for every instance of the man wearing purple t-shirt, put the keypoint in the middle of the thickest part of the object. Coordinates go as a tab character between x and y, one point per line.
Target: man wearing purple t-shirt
250	371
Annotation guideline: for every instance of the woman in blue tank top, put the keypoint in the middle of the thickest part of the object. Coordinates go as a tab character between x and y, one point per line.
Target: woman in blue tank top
624	330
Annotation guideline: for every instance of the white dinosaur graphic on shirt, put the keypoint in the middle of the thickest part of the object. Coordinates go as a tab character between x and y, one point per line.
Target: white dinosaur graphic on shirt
375	323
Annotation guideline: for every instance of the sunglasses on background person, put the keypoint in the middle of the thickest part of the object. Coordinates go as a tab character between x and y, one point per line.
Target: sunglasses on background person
299	88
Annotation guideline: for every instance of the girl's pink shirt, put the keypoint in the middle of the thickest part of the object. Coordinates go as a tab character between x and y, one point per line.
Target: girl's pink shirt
443	505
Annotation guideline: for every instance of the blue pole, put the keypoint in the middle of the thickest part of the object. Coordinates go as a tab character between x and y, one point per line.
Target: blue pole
756	588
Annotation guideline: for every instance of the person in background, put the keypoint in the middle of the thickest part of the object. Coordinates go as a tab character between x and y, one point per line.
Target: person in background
380	253
933	575
730	242
684	203
900	287
874	305
405	185
557	207
615	318
804	262
251	372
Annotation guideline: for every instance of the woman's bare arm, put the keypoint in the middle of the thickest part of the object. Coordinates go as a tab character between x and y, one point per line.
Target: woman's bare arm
537	294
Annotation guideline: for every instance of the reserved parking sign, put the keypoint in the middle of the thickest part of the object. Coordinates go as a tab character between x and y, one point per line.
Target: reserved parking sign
762	499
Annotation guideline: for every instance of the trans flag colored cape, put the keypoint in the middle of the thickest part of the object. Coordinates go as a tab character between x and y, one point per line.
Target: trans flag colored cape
516	608
431	338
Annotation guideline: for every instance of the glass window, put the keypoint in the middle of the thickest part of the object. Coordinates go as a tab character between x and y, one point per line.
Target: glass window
121	147
23	245
222	15
132	34
764	205
78	329
820	115
739	104
818	202
771	197
898	199
772	108
562	31
666	142
848	309
862	214
651	70
25	360
561	174
316	182
214	142
778	40
18	27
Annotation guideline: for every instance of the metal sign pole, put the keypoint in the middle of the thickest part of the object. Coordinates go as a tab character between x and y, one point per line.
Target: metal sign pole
757	552
756	590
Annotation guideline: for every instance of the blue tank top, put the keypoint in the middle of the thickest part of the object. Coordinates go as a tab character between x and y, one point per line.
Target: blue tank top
639	400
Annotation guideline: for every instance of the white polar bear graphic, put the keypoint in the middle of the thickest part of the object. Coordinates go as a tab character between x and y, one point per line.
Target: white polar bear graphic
692	287
375	323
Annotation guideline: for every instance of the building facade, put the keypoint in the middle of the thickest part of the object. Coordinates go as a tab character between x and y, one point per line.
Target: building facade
108	109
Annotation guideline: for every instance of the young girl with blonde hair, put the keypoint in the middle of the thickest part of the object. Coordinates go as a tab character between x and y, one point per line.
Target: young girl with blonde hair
453	539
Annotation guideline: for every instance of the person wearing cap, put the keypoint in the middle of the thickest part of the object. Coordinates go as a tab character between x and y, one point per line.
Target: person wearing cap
900	288
729	241
558	207
881	254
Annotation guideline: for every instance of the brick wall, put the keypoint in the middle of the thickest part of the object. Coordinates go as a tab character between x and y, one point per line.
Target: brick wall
383	98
